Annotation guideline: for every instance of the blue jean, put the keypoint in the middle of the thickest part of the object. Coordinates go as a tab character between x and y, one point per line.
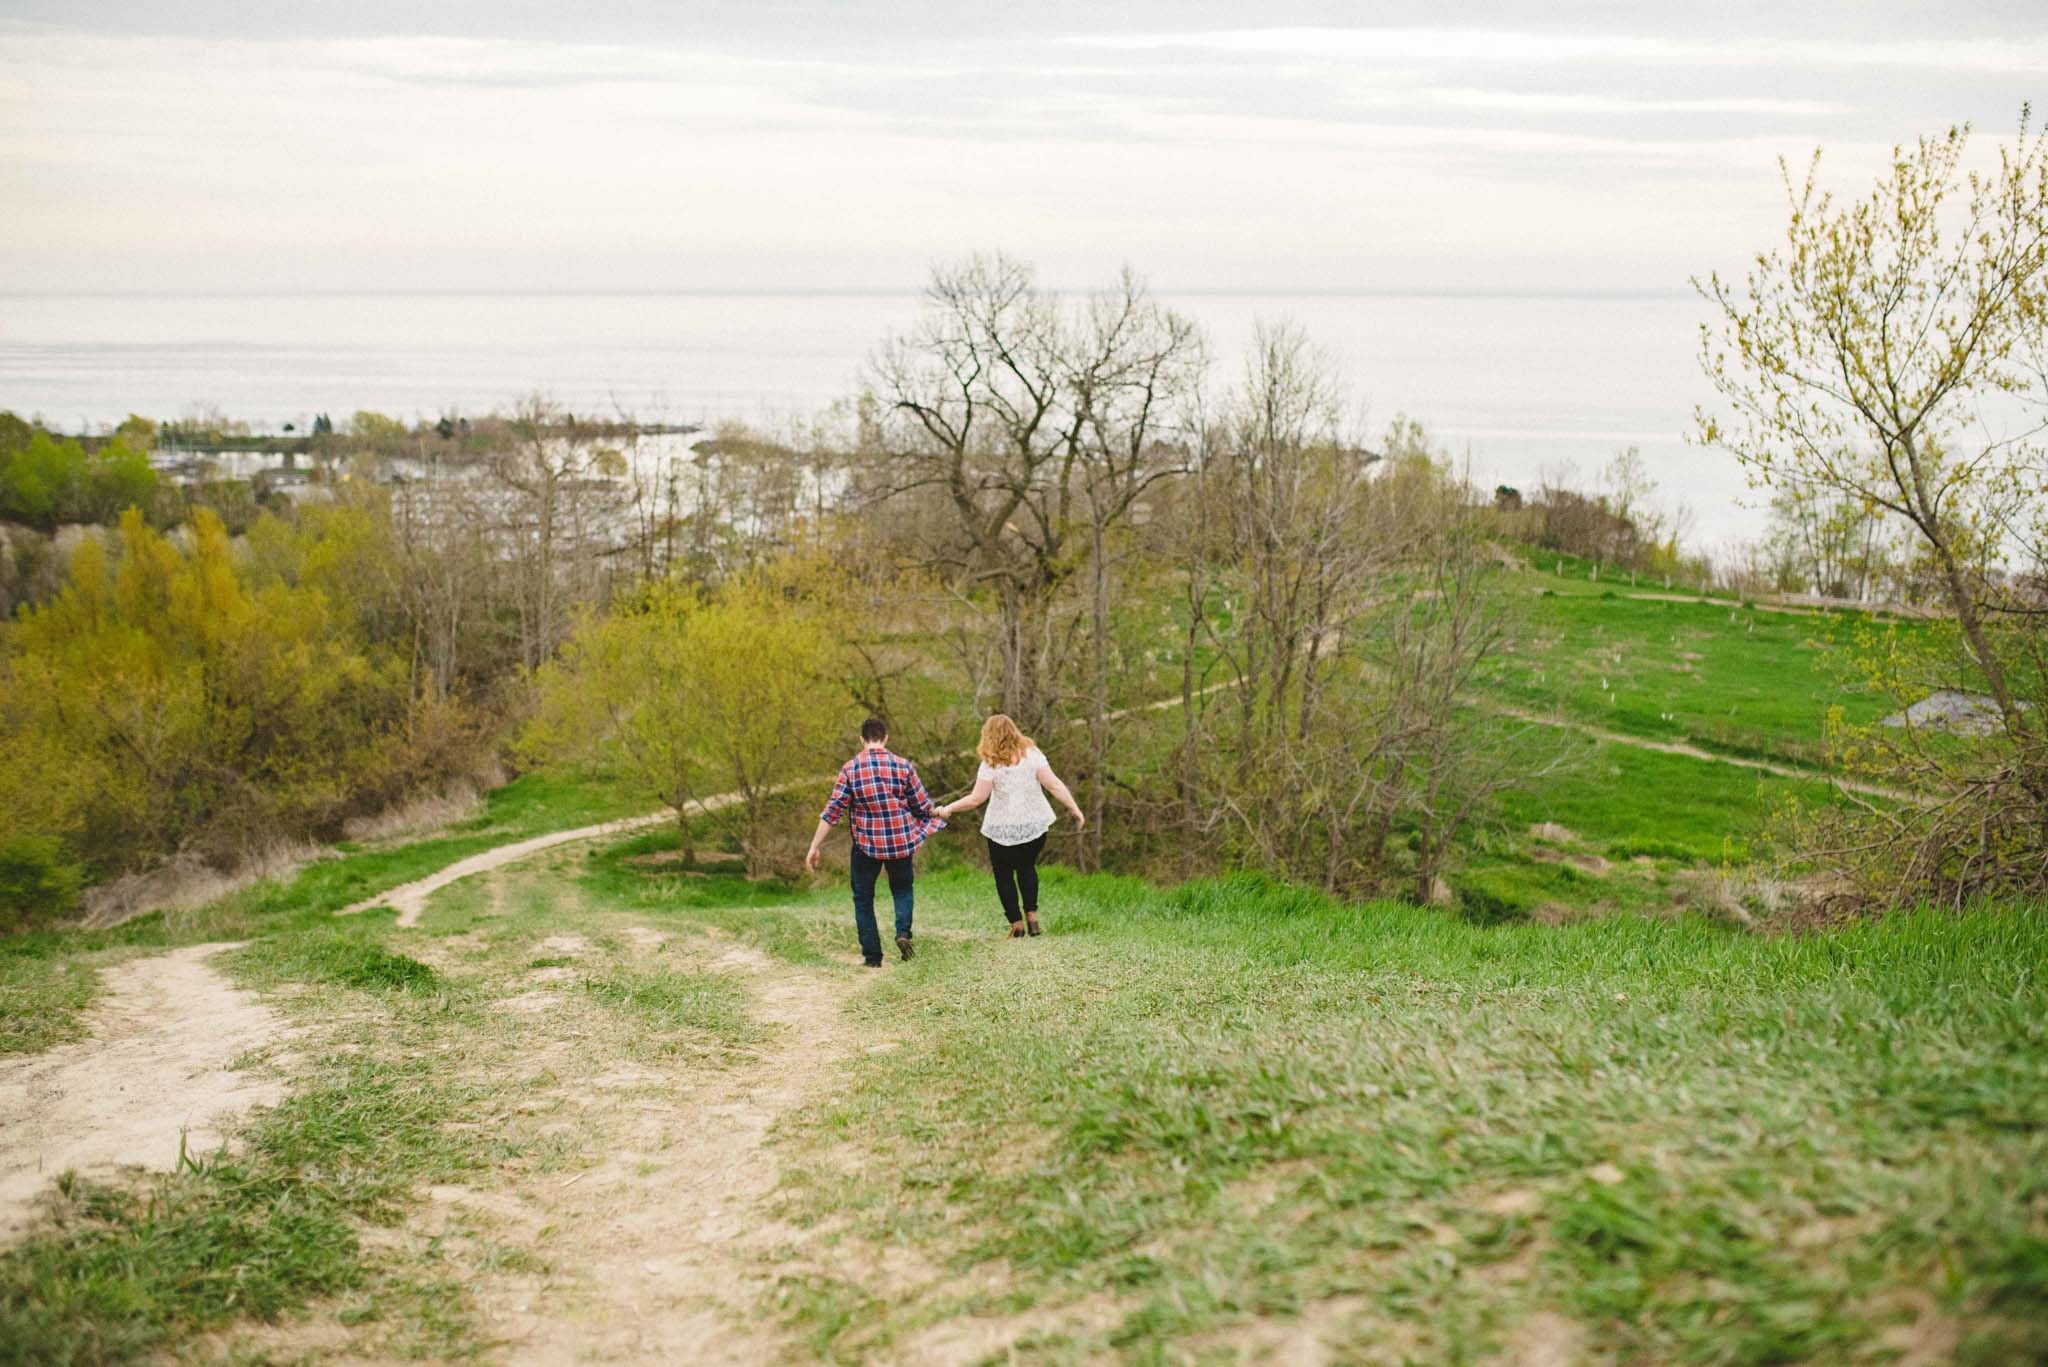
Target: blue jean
865	868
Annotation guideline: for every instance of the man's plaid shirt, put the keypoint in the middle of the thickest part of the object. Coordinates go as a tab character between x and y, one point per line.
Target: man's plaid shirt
892	814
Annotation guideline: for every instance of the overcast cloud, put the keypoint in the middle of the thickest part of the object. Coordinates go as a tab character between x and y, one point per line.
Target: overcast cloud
725	145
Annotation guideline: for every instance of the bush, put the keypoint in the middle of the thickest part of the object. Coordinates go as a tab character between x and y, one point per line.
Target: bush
1487	903
37	883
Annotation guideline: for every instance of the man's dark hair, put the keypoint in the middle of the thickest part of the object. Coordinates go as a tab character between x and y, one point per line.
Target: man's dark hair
874	729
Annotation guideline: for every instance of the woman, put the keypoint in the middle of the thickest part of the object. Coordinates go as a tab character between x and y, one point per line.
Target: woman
1013	780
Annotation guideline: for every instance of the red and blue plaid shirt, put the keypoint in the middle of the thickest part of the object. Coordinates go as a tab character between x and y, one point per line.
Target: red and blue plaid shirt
892	813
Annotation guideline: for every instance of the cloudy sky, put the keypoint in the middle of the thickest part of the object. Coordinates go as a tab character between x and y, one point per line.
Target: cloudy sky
209	145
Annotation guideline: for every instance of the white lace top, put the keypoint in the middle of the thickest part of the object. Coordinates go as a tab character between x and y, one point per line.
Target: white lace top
1017	810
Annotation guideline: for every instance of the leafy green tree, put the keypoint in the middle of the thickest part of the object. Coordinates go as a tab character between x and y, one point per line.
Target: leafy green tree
1857	360
683	696
164	699
45	480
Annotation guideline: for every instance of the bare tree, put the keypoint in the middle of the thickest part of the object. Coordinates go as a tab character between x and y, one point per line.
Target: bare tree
1036	428
559	520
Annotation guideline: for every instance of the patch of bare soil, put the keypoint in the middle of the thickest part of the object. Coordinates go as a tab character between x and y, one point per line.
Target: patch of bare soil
982	1338
156	1065
570	944
1545	1339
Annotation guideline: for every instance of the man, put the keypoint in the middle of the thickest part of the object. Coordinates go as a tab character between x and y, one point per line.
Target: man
892	816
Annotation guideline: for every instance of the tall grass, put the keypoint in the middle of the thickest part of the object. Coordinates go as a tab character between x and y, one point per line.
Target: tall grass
1234	1099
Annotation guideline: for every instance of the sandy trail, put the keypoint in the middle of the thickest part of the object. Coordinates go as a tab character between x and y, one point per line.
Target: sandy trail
665	1251
156	1064
410	899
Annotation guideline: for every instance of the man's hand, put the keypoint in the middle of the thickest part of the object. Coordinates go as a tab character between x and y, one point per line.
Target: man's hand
811	859
1080	819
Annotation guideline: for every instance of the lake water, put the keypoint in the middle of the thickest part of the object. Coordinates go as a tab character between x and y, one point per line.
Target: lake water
1518	384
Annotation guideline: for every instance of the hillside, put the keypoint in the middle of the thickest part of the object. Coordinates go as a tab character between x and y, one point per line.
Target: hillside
593	1101
599	1105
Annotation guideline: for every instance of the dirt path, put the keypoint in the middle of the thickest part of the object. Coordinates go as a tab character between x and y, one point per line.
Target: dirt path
410	899
1896	610
156	1064
666	1251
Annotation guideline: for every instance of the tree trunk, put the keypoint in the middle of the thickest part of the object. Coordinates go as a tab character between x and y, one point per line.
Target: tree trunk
1098	710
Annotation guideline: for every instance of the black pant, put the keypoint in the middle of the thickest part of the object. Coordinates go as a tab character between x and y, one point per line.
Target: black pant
1016	870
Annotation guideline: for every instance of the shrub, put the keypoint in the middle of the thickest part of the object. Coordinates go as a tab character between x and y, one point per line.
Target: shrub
1485	902
37	883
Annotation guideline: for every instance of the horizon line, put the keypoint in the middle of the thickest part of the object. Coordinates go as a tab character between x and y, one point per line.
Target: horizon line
870	292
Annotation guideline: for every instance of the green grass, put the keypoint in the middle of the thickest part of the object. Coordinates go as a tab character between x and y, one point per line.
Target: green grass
687	1007
1716	675
1232	1101
43	987
347	955
1642	801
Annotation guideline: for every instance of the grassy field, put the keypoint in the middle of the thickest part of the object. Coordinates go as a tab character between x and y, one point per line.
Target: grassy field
1202	1124
1720	675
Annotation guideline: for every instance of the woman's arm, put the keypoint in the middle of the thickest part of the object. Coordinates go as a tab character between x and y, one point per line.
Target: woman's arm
982	788
1050	781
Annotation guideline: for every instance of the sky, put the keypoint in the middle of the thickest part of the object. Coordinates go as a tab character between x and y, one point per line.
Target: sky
173	145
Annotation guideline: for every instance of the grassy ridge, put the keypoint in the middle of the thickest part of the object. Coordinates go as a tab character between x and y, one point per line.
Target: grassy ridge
1181	1126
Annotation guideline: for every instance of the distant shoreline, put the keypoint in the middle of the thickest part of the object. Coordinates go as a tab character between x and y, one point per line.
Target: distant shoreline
862	292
